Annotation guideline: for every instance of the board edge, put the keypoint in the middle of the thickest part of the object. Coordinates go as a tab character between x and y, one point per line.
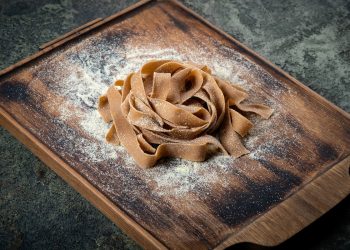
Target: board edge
297	211
76	32
72	32
263	59
80	184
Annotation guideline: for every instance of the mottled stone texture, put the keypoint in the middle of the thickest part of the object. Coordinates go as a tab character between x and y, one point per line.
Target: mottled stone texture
308	39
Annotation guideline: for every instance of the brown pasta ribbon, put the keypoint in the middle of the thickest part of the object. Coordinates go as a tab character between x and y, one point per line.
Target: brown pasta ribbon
175	109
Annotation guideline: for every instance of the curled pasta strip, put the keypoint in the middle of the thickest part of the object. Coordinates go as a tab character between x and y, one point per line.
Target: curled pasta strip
174	109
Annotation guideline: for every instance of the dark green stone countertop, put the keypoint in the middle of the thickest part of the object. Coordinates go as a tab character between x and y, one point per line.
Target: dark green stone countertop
308	39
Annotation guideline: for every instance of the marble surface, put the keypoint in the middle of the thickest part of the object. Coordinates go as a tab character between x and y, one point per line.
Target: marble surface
308	39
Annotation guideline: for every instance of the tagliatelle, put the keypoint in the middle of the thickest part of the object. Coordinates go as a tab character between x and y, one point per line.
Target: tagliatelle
175	109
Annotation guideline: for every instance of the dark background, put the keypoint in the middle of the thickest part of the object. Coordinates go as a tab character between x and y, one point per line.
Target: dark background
308	39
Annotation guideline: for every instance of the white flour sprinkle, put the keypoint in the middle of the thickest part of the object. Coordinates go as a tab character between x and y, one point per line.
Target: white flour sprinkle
94	125
93	68
177	177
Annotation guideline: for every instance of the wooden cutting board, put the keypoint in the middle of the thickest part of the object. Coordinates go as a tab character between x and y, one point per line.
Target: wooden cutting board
298	167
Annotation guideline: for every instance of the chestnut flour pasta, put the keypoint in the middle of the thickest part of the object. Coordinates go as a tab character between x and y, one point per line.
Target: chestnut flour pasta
175	109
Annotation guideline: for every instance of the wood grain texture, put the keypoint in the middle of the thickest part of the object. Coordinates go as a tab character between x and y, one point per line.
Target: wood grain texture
79	183
300	171
298	210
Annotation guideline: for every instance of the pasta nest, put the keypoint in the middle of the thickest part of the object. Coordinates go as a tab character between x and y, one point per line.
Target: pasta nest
176	109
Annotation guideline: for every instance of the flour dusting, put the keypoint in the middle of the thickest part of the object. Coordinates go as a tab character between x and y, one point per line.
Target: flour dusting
177	177
89	72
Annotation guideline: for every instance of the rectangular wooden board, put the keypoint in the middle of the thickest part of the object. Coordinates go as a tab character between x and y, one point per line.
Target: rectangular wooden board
298	167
